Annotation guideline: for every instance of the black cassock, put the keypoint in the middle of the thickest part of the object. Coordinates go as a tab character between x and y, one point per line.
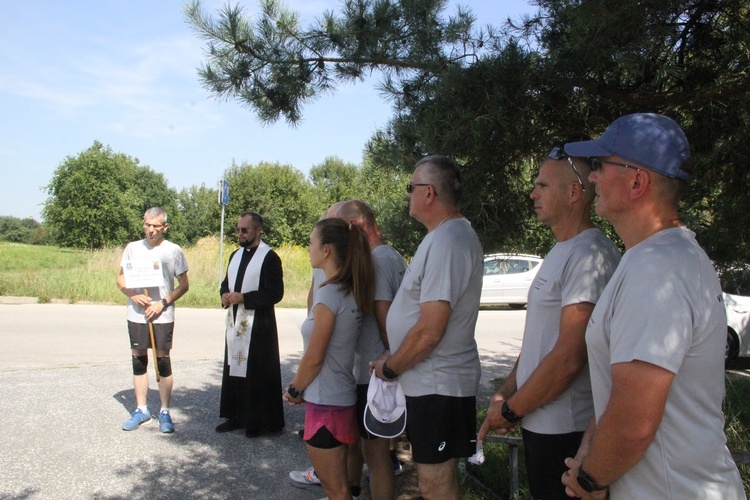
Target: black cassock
255	400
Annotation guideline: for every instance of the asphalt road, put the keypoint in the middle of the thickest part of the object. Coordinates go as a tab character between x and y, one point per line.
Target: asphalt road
66	386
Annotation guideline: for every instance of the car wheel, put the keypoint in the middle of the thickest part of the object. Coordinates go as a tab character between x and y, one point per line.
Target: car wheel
732	349
517	307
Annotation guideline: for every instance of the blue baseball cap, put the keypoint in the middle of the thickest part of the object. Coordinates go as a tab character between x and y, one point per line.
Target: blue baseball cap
651	140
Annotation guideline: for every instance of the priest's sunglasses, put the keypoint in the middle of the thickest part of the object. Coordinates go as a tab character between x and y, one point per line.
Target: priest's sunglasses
243	230
558	153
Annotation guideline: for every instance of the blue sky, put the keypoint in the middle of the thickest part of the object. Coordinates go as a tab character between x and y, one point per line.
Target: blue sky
123	72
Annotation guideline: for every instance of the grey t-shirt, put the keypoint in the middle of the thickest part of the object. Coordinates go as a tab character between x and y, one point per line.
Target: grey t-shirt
335	384
173	264
448	266
319	276
574	271
664	306
389	271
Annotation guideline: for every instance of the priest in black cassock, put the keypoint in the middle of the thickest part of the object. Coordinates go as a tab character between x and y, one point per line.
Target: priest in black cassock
251	384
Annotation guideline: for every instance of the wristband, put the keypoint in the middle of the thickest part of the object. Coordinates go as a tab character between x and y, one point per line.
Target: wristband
164	303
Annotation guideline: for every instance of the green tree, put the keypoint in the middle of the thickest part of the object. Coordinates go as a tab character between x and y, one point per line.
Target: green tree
17	230
280	194
275	66
97	199
335	180
497	99
88	199
384	190
201	212
151	189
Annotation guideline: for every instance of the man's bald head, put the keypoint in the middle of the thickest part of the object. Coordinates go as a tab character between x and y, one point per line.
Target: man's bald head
357	211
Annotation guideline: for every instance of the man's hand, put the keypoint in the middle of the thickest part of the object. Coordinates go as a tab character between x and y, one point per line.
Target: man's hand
382	359
494	421
231	298
141	299
154	309
377	365
570	480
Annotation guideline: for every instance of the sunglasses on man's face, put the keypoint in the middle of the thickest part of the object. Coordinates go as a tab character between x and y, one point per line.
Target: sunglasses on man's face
243	230
559	153
596	164
411	187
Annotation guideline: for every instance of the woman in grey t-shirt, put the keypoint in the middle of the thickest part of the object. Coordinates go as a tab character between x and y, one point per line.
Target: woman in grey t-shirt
325	379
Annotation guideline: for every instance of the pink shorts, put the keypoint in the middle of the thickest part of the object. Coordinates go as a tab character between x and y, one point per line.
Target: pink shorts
341	421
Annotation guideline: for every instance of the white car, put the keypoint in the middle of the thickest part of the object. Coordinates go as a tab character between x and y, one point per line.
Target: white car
507	278
738	327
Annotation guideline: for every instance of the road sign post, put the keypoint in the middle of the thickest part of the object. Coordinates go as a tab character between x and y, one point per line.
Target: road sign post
223	201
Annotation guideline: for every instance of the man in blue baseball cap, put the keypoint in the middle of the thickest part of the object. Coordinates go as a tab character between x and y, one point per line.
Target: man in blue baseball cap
656	337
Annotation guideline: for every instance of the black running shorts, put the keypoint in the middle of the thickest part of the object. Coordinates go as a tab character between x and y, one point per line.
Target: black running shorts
140	338
441	427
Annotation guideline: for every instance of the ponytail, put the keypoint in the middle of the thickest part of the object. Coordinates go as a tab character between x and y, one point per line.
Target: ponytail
353	259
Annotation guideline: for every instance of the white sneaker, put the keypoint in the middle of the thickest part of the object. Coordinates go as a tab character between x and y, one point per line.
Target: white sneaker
305	479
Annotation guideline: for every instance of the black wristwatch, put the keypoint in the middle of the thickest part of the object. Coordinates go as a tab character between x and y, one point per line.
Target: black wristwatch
509	414
387	372
164	303
587	482
292	391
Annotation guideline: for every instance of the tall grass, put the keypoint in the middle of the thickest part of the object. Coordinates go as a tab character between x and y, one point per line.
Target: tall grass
84	276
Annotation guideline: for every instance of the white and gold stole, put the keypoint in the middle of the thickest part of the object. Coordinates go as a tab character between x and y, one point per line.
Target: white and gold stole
239	329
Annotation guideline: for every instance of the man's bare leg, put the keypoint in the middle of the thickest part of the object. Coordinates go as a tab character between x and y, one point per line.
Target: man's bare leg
165	383
439	481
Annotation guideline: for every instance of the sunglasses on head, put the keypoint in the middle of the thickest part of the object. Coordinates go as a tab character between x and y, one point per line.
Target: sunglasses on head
559	153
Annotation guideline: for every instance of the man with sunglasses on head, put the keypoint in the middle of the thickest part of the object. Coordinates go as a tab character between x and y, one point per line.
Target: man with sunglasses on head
548	391
251	381
430	327
657	335
153	305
